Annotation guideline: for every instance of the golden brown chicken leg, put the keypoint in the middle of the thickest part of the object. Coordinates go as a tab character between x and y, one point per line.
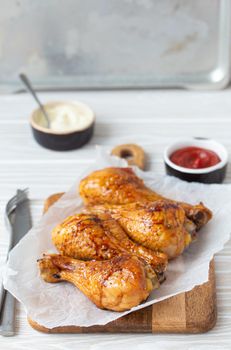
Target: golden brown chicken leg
117	284
160	225
122	186
100	237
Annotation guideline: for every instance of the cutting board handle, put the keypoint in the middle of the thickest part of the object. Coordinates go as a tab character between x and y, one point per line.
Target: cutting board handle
133	154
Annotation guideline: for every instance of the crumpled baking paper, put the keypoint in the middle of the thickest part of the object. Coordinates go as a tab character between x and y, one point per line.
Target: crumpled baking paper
62	304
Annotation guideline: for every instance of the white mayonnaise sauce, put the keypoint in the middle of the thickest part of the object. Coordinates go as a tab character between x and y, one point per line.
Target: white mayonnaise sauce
65	117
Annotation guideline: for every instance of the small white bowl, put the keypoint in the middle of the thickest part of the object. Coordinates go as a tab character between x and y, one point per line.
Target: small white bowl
212	174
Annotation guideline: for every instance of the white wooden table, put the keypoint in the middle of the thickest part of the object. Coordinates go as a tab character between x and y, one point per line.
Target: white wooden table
156	118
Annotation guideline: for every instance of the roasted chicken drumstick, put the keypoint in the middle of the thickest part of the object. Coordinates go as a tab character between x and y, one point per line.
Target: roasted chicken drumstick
117	284
160	225
100	237
122	186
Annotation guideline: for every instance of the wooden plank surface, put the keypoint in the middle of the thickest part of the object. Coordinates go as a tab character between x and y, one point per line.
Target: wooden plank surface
24	163
191	312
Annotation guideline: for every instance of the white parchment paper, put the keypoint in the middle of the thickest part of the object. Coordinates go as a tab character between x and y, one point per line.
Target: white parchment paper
62	304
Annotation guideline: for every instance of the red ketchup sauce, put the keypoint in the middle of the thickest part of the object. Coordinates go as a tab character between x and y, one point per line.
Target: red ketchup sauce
194	157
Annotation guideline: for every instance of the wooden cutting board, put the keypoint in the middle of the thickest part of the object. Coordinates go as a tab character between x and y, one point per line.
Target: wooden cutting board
191	312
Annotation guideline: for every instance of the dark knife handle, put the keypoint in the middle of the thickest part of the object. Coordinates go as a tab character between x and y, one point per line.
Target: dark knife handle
2	294
7	327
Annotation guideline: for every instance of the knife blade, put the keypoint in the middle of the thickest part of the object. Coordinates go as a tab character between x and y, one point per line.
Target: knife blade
21	224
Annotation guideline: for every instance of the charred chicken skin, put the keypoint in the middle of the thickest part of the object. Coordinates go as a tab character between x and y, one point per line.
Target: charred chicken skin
118	186
117	284
100	237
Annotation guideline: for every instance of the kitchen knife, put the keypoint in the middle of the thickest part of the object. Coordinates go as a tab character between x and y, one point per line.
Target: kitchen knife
20	226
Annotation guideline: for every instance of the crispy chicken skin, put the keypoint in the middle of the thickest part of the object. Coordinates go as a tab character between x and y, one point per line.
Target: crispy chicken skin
122	186
117	284
160	225
90	236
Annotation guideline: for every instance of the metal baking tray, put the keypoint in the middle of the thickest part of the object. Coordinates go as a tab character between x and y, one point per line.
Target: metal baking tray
92	44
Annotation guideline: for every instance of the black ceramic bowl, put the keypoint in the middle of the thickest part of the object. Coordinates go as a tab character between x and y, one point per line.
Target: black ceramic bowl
61	140
213	174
